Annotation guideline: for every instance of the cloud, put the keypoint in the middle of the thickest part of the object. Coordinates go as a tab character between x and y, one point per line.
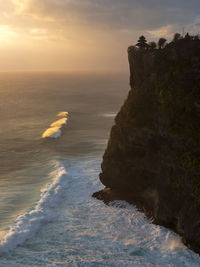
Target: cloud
113	14
36	9
165	31
92	34
36	31
7	34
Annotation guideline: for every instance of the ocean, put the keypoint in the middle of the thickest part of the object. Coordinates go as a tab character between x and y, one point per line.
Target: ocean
54	130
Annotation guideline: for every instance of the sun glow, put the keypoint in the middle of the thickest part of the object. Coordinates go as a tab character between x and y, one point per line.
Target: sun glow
20	4
83	36
7	34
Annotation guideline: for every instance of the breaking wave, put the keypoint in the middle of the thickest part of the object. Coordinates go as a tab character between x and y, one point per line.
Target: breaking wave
27	225
59	123
62	114
84	232
54	131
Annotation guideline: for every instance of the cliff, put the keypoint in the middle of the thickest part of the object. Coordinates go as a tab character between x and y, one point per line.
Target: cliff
153	155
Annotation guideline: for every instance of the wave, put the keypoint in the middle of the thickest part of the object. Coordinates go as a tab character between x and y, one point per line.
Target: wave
84	230
59	123
109	115
62	114
26	226
54	131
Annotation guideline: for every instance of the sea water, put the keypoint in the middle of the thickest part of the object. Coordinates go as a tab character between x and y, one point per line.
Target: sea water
47	214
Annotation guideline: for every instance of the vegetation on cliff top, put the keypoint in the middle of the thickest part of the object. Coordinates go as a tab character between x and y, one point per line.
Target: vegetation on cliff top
162	42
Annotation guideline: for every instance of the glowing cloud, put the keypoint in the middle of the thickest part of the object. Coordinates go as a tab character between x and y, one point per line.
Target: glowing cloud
7	34
83	35
166	31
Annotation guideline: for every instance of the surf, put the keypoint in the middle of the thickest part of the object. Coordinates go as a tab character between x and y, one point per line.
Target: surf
26	225
54	131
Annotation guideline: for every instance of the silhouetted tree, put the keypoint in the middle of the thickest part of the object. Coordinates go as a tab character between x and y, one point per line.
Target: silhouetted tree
177	36
152	45
142	42
196	37
161	42
188	37
131	49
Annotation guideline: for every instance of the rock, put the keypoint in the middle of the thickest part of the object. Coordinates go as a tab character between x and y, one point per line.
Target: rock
153	155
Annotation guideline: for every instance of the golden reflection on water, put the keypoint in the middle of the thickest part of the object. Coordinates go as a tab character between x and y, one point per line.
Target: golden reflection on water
62	114
59	123
55	128
51	132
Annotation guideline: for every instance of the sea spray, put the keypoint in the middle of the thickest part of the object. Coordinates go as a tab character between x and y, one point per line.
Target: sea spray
27	225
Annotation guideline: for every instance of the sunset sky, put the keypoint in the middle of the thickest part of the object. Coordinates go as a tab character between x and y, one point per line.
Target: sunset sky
85	35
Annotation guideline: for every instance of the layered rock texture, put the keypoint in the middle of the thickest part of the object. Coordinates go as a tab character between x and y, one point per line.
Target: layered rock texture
153	156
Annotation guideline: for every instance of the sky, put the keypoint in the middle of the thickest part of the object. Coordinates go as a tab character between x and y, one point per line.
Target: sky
86	35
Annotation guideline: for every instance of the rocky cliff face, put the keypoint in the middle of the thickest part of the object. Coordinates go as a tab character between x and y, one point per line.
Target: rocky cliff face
153	156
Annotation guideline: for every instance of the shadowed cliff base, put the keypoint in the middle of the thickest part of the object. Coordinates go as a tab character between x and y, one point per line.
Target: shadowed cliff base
153	155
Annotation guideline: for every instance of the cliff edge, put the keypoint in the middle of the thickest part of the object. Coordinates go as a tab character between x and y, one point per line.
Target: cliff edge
153	155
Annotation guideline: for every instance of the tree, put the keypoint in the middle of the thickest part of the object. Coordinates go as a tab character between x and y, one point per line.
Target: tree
152	45
177	36
142	42
188	37
161	42
196	37
131	49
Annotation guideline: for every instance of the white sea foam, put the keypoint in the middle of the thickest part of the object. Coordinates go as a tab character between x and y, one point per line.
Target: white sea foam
28	224
83	231
54	131
109	115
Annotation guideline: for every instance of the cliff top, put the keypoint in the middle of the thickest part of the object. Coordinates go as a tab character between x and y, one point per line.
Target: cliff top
179	42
